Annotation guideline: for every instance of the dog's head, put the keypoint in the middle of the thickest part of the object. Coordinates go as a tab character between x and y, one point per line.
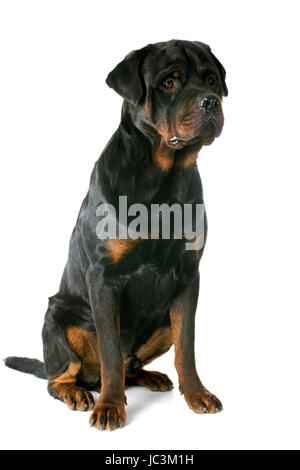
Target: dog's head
174	88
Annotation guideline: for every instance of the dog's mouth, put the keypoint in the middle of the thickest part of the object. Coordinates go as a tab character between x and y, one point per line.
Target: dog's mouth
176	140
179	141
204	136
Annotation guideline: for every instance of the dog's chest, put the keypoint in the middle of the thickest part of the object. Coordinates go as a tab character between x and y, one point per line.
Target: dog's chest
149	291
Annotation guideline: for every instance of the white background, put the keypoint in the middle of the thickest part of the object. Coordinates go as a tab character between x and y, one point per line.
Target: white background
56	116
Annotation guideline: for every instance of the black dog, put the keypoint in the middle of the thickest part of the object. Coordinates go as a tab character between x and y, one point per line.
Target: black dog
124	302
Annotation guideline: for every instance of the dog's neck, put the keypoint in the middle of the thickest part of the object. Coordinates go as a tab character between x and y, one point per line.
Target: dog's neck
137	163
163	156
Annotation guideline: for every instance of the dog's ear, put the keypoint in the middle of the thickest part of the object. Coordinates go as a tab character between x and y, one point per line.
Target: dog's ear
125	78
222	72
218	64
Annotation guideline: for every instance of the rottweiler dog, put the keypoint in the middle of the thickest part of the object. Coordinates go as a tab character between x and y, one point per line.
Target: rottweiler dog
124	302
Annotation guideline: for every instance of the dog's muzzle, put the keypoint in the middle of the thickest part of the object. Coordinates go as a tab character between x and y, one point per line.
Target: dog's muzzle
203	116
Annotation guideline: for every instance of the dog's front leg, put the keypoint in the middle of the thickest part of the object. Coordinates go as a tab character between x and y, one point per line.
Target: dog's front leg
182	315
109	412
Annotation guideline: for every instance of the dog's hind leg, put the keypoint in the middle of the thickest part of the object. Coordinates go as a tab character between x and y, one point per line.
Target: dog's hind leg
63	367
159	343
65	388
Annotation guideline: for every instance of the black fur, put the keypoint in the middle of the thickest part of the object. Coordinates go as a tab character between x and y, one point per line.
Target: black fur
29	366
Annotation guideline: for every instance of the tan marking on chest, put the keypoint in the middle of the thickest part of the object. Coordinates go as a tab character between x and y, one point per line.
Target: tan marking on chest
164	159
117	249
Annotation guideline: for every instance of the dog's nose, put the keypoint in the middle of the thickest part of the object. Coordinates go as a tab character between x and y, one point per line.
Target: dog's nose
210	103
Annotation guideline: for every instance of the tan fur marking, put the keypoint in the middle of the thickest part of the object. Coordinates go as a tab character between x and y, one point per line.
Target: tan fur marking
65	389
108	415
148	108
118	248
153	380
186	160
84	343
164	159
160	341
67	380
176	325
69	376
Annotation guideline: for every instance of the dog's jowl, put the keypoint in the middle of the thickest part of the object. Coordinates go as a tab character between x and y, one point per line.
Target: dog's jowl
125	300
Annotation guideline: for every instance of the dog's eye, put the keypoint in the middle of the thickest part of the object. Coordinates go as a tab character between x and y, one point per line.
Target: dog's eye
211	80
169	84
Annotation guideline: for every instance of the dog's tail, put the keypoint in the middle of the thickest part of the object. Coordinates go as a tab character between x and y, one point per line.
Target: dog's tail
24	364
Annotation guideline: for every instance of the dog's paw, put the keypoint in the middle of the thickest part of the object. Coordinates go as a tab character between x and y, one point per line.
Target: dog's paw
108	416
77	398
155	381
203	402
